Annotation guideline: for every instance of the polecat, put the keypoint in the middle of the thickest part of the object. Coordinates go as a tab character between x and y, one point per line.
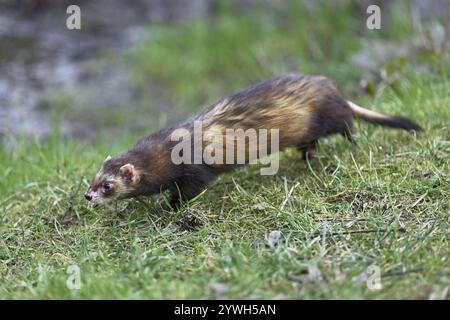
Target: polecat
302	108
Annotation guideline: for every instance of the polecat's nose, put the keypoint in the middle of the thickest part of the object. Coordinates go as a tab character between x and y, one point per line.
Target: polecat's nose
88	196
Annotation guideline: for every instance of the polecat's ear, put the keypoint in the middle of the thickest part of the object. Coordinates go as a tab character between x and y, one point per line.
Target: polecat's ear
128	173
107	158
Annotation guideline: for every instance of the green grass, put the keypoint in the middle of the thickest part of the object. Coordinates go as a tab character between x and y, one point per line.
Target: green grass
383	202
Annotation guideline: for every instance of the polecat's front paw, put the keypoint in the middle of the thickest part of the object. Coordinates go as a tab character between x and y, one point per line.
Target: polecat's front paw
175	204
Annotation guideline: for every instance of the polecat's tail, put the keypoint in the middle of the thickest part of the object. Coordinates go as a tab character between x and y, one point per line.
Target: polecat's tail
383	119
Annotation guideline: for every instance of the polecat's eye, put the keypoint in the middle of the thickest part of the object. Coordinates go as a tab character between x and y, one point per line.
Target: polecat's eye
107	186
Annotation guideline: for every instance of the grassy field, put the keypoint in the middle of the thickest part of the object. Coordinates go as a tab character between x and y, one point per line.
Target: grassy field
380	204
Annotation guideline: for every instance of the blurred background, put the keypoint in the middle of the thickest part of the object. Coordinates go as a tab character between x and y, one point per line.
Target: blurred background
141	65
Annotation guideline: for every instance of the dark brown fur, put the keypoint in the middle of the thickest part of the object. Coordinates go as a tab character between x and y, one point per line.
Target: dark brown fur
303	108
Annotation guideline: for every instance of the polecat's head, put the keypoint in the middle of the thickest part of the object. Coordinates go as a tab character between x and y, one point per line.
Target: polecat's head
117	179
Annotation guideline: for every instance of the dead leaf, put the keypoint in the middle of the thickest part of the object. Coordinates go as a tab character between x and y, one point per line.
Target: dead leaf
190	222
65	221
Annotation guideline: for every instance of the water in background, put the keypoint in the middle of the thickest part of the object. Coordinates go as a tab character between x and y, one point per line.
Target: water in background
46	68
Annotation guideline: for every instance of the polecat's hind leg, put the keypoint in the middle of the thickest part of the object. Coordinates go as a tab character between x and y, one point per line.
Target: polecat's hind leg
349	133
308	151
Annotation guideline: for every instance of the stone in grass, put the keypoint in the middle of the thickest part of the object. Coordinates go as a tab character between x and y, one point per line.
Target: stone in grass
260	206
219	289
360	278
273	238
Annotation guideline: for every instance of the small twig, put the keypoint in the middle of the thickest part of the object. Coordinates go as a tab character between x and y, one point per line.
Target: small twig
401	273
222	205
419	200
288	193
364	231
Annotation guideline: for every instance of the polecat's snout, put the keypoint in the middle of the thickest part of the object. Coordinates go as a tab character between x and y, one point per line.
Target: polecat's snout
88	196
